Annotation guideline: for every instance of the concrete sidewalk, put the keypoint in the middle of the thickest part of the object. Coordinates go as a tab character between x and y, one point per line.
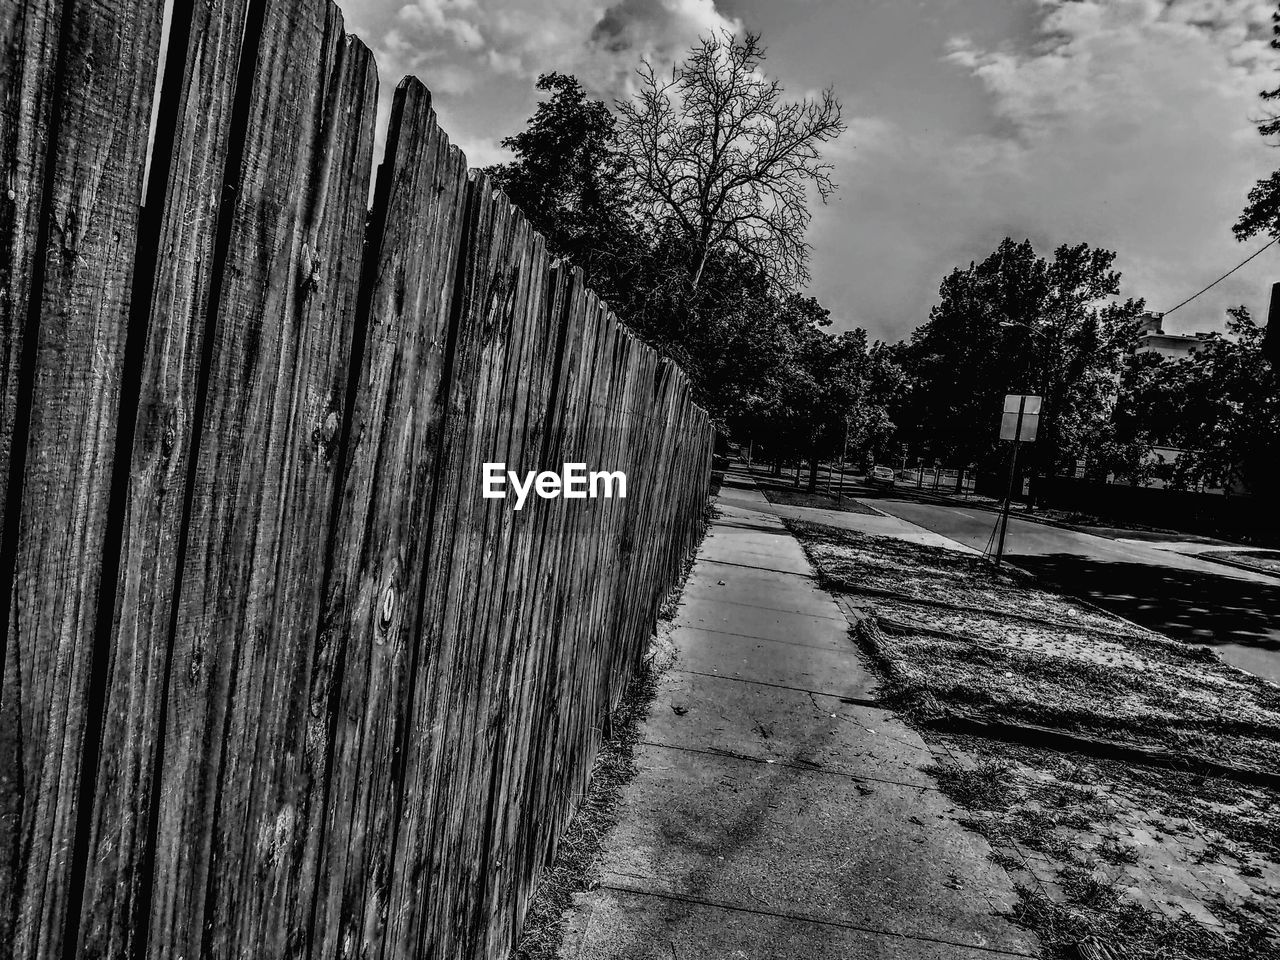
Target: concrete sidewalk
777	811
878	523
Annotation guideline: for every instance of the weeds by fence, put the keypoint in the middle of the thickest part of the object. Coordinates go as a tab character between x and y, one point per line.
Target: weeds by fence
276	680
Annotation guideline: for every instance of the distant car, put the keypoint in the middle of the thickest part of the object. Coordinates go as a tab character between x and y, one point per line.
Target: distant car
880	477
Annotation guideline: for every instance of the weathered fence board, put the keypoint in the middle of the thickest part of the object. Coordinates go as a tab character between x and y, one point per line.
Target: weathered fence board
28	63
282	682
515	683
83	93
194	138
373	602
264	483
282	872
465	562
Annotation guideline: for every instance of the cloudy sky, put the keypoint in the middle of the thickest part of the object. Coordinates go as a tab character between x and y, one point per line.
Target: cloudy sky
1123	123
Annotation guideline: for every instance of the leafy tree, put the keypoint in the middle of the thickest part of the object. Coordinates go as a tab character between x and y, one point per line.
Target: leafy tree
1262	211
1220	405
1018	323
1143	418
720	161
832	391
569	179
687	214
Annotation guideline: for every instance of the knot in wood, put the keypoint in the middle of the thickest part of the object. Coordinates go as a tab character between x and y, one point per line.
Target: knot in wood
330	429
388	607
326	435
169	437
311	264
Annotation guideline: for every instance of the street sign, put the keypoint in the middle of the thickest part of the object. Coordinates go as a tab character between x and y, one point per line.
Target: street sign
1019	423
1021	419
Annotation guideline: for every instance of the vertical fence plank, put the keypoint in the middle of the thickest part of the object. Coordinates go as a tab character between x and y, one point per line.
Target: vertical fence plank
289	726
68	299
537	806
490	340
29	33
372	605
523	669
531	373
193	136
29	48
229	825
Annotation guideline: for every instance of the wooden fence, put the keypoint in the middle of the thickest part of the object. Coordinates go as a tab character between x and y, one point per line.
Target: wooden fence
276	680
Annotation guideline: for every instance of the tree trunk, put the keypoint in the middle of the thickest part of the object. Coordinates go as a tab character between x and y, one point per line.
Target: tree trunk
813	474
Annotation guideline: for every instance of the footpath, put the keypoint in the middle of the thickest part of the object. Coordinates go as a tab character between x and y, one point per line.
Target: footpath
777	811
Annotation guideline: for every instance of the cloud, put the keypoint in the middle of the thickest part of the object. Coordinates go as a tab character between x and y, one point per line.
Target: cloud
479	57
600	43
1123	123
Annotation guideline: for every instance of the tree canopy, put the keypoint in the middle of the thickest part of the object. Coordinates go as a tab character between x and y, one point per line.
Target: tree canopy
722	162
686	207
1018	323
1261	214
1219	406
569	178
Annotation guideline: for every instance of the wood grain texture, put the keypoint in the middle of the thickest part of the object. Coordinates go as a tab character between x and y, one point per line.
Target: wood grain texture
373	600
289	728
30	36
196	128
77	287
328	700
228	869
29	33
446	752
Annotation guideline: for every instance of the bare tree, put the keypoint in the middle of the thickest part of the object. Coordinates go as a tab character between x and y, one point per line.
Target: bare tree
719	157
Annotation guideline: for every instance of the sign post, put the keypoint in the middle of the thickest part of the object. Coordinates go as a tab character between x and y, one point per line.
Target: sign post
1020	423
844	453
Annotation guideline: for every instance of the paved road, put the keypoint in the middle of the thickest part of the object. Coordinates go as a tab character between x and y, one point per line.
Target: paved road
1234	611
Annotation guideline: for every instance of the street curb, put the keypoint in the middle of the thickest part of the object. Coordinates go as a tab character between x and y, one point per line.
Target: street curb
1076	528
1032	735
1233	563
1043	521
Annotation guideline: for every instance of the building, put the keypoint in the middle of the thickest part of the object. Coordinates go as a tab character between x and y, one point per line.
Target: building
1153	339
1173	346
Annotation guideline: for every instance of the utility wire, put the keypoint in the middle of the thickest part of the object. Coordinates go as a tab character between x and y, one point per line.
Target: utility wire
1223	277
